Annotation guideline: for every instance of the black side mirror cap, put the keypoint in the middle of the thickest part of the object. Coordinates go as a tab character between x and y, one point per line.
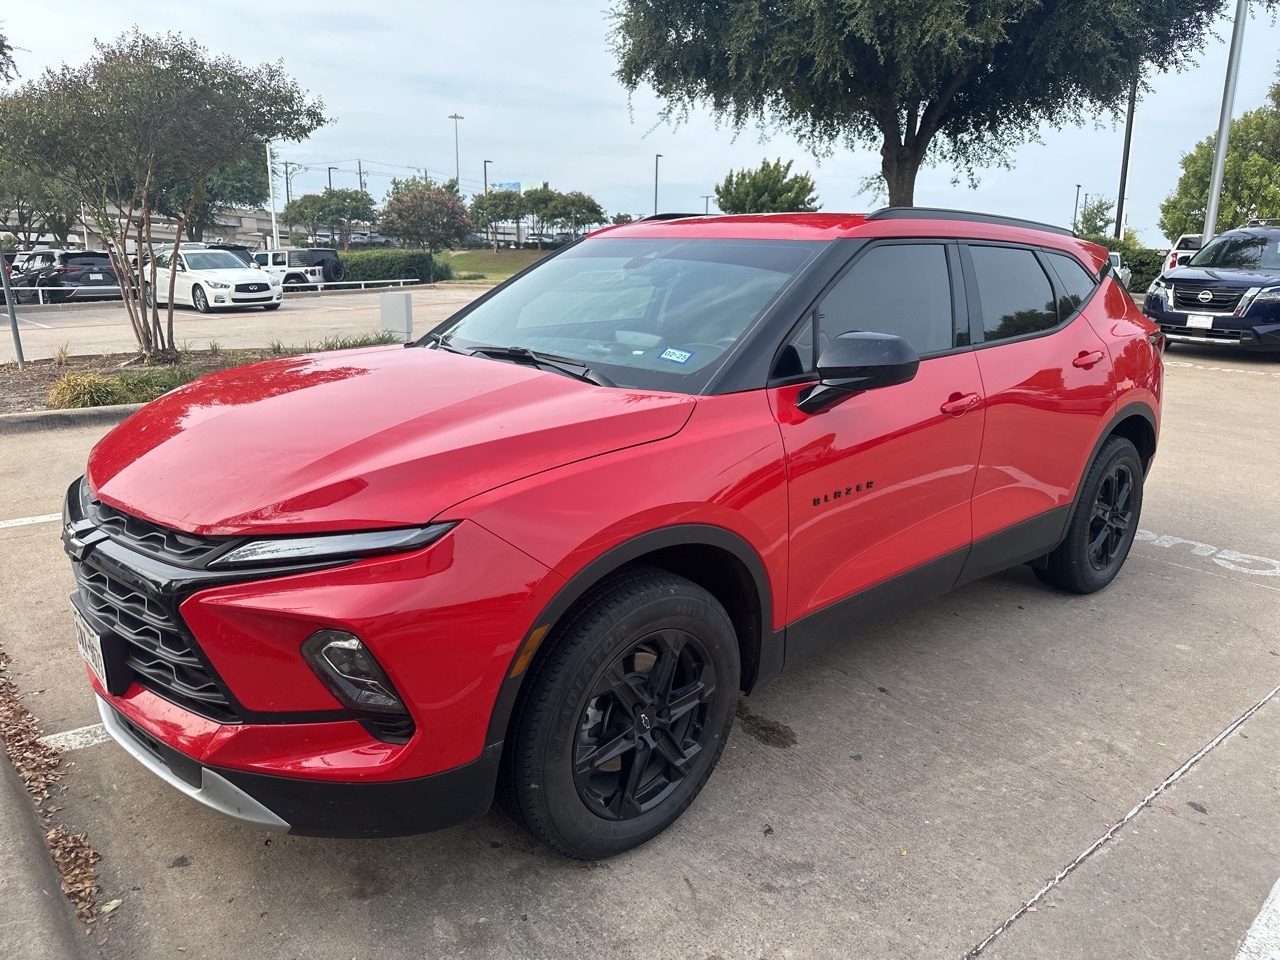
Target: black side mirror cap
858	361
1184	258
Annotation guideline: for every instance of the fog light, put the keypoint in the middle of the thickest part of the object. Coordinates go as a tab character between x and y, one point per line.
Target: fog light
350	672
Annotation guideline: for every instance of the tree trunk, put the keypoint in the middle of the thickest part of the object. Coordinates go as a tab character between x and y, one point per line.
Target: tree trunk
899	165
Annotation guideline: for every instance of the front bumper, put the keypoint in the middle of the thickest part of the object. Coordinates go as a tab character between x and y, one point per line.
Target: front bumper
230	298
316	808
1227	330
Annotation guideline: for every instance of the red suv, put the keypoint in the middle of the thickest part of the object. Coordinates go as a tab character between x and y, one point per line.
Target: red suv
543	551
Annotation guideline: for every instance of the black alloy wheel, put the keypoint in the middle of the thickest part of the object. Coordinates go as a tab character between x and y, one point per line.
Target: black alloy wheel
643	725
1103	522
624	714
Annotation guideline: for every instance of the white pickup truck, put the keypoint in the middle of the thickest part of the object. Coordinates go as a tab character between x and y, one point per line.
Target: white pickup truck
305	265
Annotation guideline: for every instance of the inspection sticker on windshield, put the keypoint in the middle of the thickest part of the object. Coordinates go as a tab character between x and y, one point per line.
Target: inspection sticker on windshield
676	356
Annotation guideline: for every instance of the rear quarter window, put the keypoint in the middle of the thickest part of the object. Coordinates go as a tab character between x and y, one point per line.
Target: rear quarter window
1076	283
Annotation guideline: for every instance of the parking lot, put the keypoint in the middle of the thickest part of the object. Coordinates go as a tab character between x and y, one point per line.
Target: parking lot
904	794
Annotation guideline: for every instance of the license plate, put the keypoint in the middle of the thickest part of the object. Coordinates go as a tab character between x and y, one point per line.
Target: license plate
95	276
90	644
1200	321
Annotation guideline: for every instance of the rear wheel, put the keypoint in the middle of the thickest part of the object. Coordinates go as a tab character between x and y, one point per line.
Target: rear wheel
625	717
1103	524
199	300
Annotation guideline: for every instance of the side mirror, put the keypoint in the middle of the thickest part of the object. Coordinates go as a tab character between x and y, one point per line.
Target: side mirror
1183	258
858	361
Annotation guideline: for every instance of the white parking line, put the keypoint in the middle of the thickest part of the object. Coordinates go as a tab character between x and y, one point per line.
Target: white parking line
77	739
1206	366
1262	942
24	521
42	326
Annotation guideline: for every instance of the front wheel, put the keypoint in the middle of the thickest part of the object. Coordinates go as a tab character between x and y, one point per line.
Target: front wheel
624	719
199	300
1103	523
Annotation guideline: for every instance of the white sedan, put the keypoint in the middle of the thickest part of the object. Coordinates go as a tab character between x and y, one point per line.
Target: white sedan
207	279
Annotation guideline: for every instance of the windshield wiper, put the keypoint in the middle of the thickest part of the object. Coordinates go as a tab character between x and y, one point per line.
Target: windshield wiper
440	341
544	361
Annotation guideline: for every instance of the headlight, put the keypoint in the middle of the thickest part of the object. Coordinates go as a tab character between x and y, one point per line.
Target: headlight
286	550
1158	286
274	281
1268	295
218	284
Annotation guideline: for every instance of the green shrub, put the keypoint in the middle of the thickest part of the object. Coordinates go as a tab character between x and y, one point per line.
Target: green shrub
355	340
96	390
394	265
1145	263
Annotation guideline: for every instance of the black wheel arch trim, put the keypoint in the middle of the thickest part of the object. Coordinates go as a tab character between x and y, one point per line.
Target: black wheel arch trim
1126	412
768	658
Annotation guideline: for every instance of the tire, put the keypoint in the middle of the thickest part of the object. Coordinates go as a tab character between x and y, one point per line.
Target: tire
598	762
199	300
334	271
271	306
1103	523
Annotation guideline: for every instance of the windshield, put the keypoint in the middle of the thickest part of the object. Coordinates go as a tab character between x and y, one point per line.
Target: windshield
1240	251
653	313
213	260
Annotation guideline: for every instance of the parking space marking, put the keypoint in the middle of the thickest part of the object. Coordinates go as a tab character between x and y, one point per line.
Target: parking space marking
1137	809
1262	942
77	739
43	326
1250	564
1205	366
24	521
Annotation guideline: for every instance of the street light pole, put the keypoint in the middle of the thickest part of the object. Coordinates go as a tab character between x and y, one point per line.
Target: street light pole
486	175
331	169
1224	120
1075	211
656	158
1122	200
457	166
706	202
271	190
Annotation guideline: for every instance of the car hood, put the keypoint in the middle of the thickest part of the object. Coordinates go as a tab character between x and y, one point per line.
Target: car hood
246	275
359	440
1216	276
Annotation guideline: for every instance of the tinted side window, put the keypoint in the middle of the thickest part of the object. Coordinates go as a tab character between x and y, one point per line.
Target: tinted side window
901	289
1015	293
1077	284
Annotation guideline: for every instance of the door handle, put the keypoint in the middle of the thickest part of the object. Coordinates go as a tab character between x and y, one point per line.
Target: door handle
1087	360
959	405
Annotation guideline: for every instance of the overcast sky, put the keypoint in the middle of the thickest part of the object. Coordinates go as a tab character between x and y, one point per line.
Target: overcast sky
534	83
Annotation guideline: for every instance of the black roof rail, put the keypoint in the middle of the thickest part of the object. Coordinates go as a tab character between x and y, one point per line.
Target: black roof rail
671	216
968	216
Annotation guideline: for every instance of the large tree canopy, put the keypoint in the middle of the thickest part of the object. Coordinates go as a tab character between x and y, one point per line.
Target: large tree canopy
1250	182
973	78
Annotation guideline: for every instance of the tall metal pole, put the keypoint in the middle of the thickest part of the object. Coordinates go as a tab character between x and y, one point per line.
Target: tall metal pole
1224	120
331	169
656	158
271	190
706	202
486	175
84	225
13	317
1075	211
457	166
360	173
1124	160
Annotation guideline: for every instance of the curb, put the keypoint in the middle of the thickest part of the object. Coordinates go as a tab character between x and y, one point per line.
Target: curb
36	920
38	420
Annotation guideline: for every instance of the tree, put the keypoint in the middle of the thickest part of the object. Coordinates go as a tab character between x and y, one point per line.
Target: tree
1250	182
1096	217
490	209
7	68
620	218
537	201
305	210
148	120
341	208
573	211
768	189
425	215
32	205
242	182
961	82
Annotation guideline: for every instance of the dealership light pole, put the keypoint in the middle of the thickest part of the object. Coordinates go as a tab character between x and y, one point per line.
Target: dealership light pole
486	175
271	191
331	169
656	158
457	166
1075	211
1224	120
706	202
1122	200
13	317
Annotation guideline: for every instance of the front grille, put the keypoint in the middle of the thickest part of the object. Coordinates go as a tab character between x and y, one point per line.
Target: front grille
148	538
1186	296
1233	336
158	648
252	287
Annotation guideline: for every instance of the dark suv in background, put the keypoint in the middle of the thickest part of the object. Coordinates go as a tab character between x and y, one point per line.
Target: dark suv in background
1228	293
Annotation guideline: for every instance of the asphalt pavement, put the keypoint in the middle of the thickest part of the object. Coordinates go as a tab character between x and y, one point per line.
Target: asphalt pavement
1006	772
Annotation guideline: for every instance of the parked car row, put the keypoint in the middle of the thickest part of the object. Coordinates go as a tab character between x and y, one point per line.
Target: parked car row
60	276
